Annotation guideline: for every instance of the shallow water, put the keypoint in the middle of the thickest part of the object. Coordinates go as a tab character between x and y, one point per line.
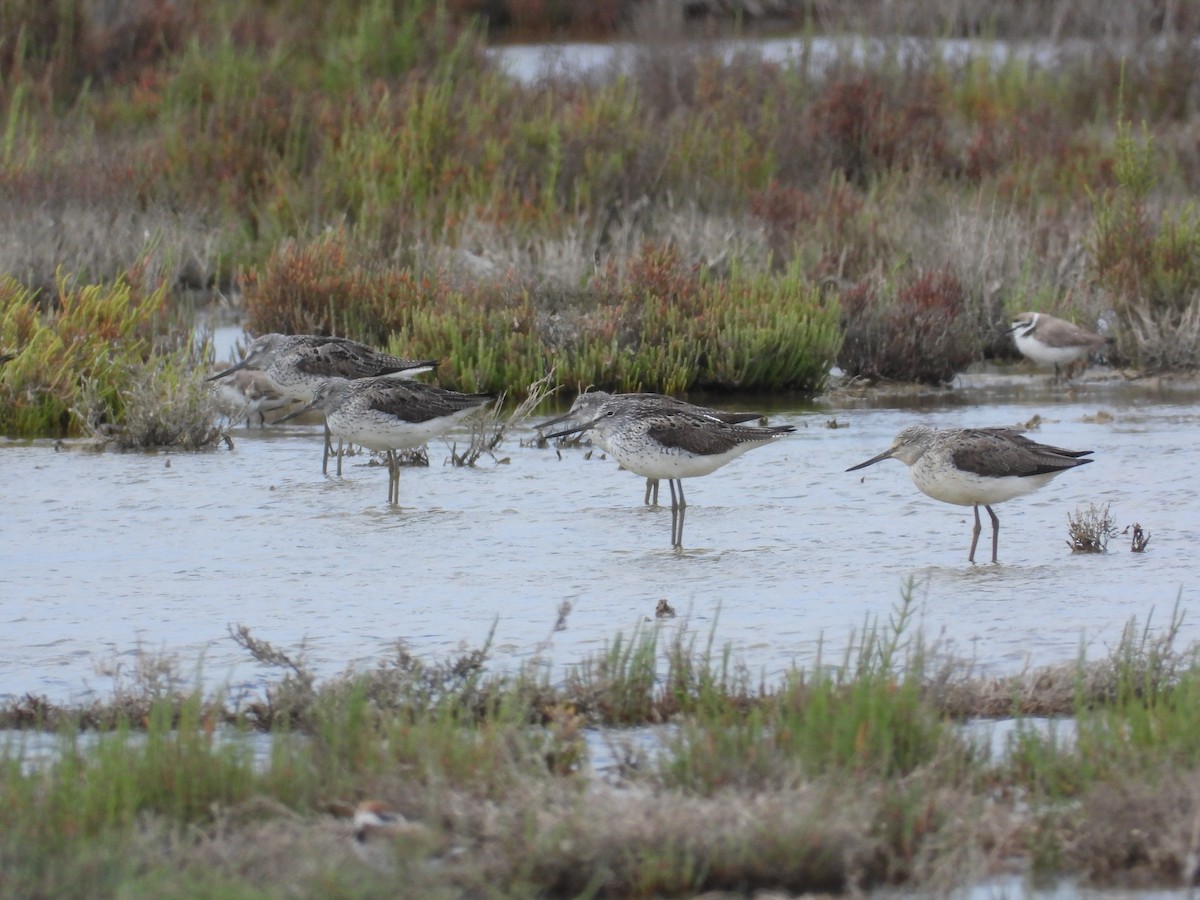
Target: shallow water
106	552
534	62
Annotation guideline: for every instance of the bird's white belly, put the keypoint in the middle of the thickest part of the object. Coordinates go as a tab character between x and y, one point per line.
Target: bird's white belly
293	385
1039	352
967	488
652	460
378	431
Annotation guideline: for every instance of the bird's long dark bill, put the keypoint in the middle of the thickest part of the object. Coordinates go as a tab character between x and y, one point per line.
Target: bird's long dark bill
564	417
245	362
298	412
569	431
886	454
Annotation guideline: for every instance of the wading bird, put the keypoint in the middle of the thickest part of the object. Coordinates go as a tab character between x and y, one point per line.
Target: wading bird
977	467
657	439
389	414
587	404
297	364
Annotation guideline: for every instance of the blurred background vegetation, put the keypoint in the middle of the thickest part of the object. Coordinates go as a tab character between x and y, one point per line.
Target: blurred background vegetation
697	219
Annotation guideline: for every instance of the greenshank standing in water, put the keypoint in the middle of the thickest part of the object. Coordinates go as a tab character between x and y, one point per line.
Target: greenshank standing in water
389	414
297	364
588	404
662	438
977	467
1048	340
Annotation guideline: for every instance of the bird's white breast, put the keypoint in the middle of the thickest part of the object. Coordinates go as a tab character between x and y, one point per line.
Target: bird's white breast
1039	352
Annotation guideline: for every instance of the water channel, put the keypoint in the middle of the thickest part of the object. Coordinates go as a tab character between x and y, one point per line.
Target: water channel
786	555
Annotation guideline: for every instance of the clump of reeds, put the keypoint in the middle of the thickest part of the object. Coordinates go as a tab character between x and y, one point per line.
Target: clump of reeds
1146	263
1090	529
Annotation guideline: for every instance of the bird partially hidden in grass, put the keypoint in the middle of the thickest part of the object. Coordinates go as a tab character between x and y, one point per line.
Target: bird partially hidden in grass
372	818
382	834
250	393
977	467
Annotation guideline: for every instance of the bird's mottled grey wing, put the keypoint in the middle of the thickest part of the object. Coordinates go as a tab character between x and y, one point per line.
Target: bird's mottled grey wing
731	418
999	452
1018	438
342	358
674	403
414	401
700	434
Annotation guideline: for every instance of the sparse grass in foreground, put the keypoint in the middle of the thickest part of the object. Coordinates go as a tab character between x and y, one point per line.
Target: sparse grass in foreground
840	778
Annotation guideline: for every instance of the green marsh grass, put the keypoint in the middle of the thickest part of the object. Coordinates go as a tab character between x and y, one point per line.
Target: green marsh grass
94	359
658	324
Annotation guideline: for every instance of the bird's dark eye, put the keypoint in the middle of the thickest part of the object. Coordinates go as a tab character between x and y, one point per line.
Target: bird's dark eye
611	413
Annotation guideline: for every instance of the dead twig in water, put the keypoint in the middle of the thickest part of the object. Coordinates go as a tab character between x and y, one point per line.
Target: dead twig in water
488	430
1139	539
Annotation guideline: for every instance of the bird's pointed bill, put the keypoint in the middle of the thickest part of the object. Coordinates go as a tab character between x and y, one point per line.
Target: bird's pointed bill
237	367
886	454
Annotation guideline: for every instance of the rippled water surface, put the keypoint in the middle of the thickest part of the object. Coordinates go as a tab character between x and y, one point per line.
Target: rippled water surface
103	552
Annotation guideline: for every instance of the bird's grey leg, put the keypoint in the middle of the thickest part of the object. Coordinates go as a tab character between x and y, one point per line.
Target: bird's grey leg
393	478
651	489
995	529
328	451
975	535
678	510
676	517
339	466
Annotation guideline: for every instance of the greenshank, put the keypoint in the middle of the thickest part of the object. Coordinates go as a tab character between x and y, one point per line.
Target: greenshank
657	439
389	414
297	364
587	404
977	467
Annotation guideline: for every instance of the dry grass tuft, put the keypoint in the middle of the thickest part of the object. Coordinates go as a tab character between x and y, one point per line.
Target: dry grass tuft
1090	529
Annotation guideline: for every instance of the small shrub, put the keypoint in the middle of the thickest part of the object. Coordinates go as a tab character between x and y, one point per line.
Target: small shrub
875	122
86	340
167	404
919	334
1090	529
